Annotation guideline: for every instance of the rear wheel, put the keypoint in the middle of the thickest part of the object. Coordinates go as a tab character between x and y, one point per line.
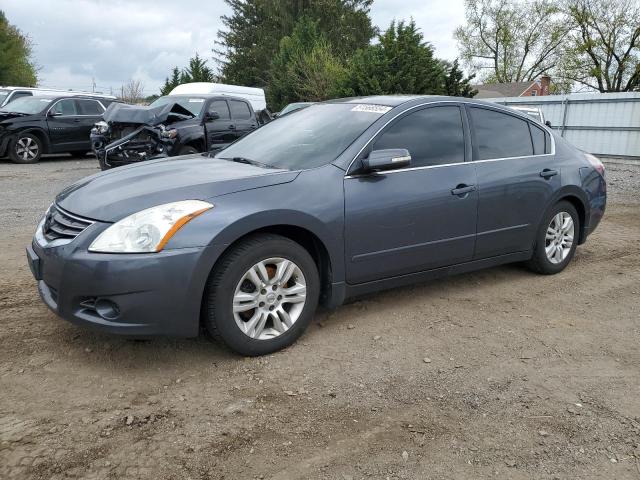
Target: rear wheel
26	148
262	295
556	240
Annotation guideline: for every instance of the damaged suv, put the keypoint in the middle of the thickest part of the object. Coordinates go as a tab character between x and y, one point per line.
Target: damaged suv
172	125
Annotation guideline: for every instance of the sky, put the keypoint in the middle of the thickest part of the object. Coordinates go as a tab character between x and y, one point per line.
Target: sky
79	43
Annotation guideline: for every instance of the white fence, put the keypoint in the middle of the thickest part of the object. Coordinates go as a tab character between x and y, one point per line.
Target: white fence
602	124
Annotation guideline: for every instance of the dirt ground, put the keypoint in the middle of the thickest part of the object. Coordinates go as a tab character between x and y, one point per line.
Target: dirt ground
496	374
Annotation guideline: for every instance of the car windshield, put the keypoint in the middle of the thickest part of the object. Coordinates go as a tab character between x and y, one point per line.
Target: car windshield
294	106
193	104
312	137
3	96
27	105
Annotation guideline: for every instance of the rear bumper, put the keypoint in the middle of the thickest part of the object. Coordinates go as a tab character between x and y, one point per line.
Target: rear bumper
135	294
596	188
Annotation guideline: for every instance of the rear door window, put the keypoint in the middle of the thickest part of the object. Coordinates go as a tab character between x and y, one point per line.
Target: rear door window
239	110
499	135
433	136
89	107
221	108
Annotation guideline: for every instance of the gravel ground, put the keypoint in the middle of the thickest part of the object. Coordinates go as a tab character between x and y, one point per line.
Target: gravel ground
495	374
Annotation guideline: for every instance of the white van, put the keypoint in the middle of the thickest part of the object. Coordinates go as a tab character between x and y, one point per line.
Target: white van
254	95
8	94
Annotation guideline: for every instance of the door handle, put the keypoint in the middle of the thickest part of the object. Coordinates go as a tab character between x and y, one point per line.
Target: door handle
77	120
548	173
463	189
232	127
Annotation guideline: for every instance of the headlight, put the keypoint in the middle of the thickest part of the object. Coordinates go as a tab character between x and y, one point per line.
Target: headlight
101	128
148	230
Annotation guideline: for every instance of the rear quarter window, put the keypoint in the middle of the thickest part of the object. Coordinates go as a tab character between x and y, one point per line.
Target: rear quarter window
499	135
539	138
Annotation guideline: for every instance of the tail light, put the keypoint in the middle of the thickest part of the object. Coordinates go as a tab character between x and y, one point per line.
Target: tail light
595	163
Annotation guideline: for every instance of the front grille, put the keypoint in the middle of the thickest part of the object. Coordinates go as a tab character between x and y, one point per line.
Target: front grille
61	224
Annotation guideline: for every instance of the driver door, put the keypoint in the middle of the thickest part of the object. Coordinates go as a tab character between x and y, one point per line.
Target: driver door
65	126
413	219
219	131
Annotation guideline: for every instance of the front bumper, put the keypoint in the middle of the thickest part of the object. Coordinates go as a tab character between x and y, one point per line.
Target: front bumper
142	144
129	294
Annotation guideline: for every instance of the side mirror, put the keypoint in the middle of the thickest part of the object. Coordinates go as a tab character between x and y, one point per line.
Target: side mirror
51	113
211	116
547	123
388	159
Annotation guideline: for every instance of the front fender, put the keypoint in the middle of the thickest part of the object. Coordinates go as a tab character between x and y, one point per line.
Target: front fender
300	203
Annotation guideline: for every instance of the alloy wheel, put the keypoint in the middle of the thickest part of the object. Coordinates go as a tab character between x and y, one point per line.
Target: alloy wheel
27	148
559	237
269	298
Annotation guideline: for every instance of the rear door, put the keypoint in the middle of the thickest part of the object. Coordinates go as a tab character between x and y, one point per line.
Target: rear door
416	218
219	131
517	177
243	119
89	112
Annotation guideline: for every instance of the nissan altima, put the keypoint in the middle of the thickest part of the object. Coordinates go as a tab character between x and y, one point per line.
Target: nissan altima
343	198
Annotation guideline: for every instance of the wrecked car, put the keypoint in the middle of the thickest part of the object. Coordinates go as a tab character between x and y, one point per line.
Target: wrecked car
172	125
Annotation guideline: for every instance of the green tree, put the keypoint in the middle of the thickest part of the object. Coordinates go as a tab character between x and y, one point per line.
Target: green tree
197	71
603	51
512	40
304	68
401	62
254	29
171	83
16	66
455	82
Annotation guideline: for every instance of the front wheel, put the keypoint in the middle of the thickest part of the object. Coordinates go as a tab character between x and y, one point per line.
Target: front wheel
556	240
262	295
188	150
27	148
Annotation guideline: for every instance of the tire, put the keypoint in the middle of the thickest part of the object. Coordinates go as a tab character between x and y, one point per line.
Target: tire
546	259
229	279
188	150
26	148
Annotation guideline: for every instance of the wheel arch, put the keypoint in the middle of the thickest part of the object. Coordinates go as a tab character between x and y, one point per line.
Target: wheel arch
576	197
38	132
305	236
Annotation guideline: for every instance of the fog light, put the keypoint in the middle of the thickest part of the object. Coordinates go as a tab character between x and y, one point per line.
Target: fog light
107	309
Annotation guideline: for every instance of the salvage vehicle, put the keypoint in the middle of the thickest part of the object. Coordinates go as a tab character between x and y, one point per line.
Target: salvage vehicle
176	124
9	94
31	126
343	198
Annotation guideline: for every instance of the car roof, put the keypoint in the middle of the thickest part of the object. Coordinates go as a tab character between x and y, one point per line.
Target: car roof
397	100
53	91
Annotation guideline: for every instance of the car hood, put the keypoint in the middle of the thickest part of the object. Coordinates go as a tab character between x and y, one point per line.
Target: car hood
122	113
9	115
112	195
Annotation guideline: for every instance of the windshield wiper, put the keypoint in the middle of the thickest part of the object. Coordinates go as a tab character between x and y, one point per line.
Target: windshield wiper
248	161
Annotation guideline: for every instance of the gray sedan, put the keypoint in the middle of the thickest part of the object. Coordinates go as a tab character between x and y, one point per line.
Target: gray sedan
343	198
